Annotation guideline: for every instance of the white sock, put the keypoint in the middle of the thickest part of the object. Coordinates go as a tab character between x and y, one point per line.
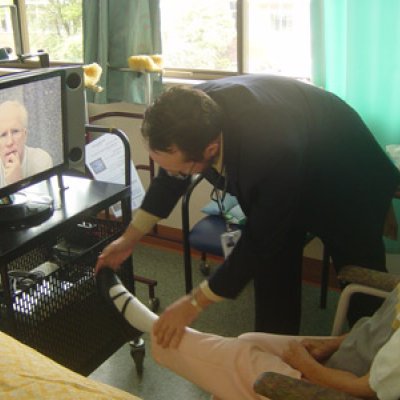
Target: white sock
132	309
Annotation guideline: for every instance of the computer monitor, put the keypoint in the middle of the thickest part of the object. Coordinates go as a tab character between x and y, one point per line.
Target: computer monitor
34	135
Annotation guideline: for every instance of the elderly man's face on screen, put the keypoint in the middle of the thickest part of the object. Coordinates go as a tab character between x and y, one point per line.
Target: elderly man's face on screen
13	122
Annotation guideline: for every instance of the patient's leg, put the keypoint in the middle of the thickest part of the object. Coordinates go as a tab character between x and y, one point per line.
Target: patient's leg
132	309
225	367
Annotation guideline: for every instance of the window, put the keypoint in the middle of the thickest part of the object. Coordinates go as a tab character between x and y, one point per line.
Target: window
226	36
199	34
6	25
200	39
54	26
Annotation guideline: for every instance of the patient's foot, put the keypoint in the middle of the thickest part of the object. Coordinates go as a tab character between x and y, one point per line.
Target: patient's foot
134	311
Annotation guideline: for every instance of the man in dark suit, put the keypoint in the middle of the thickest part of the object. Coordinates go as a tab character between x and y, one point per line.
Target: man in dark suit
297	158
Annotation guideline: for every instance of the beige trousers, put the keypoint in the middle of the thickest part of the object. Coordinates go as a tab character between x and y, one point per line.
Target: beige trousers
226	367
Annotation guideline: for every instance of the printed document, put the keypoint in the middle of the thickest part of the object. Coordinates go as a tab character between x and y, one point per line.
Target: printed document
105	159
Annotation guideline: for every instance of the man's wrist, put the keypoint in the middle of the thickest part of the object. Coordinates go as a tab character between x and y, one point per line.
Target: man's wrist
132	235
208	293
198	300
194	302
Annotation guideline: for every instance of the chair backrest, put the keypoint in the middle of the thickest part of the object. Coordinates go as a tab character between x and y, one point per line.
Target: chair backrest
360	280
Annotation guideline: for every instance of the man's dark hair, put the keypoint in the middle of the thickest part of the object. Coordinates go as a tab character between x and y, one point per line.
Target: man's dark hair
187	118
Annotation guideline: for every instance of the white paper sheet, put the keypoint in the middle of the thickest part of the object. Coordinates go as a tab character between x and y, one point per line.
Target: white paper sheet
105	159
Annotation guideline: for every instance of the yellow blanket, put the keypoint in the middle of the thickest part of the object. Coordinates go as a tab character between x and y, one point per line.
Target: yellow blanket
27	374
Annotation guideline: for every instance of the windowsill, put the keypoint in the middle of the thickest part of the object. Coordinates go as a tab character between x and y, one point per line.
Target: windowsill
169	81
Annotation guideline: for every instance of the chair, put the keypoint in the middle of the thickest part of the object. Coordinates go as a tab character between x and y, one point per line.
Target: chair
205	237
279	387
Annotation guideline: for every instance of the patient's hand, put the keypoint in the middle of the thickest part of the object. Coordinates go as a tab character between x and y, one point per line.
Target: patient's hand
13	168
298	357
321	349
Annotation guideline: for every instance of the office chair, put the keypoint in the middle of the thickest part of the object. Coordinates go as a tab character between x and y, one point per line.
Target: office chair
359	280
205	238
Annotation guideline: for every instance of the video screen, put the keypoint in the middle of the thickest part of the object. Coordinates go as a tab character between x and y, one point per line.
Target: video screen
31	128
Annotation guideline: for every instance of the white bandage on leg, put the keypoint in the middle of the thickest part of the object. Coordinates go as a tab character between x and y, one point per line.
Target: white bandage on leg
134	311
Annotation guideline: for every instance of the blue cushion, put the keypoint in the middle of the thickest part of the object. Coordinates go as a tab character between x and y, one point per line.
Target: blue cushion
205	235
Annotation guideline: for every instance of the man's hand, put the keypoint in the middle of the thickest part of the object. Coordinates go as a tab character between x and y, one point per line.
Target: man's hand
119	250
114	254
13	168
170	327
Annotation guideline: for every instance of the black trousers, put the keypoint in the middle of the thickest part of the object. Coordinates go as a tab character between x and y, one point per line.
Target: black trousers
277	288
277	283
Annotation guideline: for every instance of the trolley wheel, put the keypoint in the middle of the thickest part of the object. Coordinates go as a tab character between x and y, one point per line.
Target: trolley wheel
138	352
154	304
205	268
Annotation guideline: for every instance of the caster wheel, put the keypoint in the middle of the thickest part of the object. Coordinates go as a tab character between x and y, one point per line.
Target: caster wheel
138	352
154	304
205	268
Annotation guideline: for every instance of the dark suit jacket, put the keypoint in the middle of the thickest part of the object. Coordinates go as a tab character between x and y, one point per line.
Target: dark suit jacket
298	158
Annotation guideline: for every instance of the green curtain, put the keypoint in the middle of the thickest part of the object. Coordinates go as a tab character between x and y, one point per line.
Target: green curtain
113	30
356	55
